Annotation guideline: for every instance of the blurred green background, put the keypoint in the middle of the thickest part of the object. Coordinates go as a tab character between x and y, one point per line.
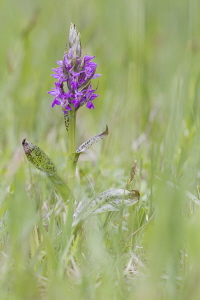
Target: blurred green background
149	55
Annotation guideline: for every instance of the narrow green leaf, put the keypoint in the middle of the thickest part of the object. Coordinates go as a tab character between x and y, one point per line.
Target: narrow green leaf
73	157
110	200
66	120
113	199
42	162
92	141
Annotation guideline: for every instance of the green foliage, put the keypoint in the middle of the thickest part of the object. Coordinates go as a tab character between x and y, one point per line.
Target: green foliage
149	55
42	162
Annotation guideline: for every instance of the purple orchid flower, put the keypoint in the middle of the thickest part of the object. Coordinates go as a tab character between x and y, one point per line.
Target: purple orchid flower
73	87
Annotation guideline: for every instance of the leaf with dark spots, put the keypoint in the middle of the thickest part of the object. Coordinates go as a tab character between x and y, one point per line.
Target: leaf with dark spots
42	162
92	141
110	200
66	120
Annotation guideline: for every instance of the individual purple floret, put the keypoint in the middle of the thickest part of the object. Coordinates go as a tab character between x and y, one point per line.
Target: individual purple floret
73	86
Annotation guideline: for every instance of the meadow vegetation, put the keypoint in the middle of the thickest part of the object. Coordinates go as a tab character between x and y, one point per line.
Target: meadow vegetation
148	53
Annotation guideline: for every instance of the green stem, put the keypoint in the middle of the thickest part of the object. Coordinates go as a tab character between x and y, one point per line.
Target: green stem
71	166
72	149
72	131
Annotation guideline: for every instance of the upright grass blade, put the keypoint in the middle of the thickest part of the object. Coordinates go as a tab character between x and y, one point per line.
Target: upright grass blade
42	162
